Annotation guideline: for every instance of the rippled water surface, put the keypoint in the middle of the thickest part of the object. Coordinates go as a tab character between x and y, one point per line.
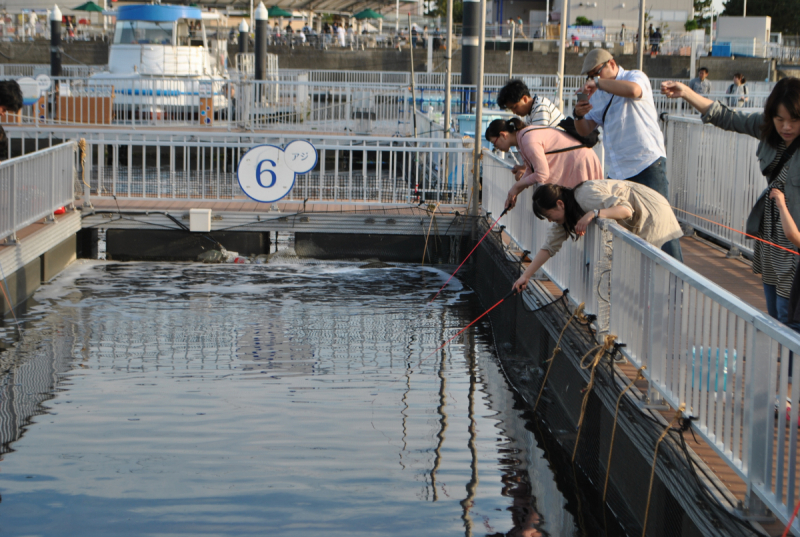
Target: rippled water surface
184	399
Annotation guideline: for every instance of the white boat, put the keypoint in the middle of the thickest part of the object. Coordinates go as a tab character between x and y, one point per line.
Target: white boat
162	62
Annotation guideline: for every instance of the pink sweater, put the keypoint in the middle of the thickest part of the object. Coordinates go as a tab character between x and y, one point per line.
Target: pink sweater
568	169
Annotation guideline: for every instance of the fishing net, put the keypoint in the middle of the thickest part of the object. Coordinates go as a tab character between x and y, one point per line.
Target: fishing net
685	497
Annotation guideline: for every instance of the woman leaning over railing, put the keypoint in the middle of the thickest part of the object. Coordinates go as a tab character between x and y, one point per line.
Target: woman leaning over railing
778	131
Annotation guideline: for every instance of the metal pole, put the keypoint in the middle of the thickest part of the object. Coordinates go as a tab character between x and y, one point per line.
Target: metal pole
546	18
470	55
511	51
429	44
262	20
244	30
744	11
396	17
55	42
641	35
476	160
562	53
448	81
413	83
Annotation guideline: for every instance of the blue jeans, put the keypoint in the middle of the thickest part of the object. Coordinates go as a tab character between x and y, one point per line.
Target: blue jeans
778	308
655	177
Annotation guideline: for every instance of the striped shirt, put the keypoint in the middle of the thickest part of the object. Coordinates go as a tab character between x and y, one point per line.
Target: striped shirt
544	113
776	266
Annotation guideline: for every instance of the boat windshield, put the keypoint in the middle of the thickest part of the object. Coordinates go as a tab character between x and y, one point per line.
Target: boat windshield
143	33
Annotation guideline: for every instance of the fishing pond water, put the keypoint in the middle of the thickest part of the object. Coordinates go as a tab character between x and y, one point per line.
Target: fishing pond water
279	399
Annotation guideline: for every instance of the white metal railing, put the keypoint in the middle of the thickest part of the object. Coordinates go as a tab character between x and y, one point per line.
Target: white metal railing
714	178
33	186
703	347
314	101
29	69
246	65
352	169
573	268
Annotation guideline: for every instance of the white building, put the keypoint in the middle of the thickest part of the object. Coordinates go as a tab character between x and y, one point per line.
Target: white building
669	15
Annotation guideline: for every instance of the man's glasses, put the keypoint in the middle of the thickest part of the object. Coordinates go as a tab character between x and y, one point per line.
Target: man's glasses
596	73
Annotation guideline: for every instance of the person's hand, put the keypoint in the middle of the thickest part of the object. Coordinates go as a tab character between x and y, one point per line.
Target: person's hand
511	201
589	87
582	108
778	196
518	171
674	90
521	284
583	224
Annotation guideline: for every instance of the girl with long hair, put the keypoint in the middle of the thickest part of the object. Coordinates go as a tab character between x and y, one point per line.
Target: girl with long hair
639	209
778	130
550	155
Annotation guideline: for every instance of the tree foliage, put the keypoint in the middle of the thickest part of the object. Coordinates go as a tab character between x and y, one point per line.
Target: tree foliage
785	13
583	21
439	9
702	15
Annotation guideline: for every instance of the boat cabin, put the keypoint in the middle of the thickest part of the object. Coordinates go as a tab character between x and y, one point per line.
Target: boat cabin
164	40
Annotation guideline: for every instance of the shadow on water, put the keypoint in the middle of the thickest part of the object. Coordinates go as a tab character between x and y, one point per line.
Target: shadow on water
281	400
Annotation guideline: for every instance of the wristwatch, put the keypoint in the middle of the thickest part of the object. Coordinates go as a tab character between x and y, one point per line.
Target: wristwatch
575	114
596	214
596	82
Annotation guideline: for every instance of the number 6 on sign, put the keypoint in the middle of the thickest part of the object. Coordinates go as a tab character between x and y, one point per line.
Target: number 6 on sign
267	172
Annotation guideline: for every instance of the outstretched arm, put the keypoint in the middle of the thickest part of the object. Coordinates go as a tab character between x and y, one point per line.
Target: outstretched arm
536	263
674	90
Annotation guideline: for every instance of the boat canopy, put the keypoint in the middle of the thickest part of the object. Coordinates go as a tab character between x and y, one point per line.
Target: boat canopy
157	13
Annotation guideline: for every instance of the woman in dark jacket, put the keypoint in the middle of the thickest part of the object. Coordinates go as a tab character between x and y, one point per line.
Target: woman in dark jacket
778	131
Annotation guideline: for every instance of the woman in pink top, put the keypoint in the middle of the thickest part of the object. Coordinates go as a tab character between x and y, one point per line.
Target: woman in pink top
550	155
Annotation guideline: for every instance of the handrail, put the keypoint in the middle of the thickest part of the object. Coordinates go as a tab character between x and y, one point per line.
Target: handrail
703	347
713	175
35	185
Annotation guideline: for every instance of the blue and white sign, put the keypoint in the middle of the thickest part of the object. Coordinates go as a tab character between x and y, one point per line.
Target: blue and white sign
267	172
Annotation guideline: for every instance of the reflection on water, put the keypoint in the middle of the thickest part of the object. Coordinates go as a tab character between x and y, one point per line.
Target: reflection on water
262	399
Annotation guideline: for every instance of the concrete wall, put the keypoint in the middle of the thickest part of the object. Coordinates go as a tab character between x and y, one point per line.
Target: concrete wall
169	245
497	62
88	52
542	61
25	281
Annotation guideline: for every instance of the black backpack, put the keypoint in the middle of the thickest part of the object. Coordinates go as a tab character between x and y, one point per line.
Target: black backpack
568	125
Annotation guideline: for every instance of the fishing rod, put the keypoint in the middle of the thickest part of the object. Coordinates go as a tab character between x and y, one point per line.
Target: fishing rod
510	293
469	254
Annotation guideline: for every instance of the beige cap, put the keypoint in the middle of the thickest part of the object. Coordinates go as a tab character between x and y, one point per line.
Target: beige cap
597	56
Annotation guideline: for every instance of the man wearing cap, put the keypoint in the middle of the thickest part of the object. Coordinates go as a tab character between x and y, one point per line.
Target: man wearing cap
622	103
